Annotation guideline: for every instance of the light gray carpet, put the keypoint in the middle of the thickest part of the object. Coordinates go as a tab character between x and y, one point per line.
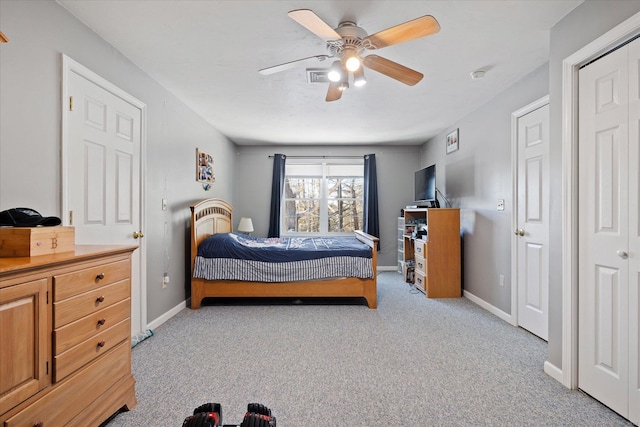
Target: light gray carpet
412	362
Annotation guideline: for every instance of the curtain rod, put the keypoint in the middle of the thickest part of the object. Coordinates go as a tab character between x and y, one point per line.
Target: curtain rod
321	157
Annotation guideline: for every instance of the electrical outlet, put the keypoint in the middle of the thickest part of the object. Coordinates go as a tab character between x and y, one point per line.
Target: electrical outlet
500	204
502	280
164	204
165	280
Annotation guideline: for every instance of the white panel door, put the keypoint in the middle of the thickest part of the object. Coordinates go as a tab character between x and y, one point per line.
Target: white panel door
533	222
104	143
608	231
634	232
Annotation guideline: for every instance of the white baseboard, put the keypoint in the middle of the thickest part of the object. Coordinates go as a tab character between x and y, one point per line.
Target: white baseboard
490	308
168	315
387	268
549	368
553	371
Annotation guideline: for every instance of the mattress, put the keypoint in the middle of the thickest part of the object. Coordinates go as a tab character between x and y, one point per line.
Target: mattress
230	256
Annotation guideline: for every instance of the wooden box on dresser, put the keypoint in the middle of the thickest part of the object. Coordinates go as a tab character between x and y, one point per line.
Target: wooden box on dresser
65	337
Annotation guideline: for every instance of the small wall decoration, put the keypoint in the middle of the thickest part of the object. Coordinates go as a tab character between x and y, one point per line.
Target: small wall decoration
204	169
452	141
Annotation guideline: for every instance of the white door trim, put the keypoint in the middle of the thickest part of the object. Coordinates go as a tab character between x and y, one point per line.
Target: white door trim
570	67
514	197
70	66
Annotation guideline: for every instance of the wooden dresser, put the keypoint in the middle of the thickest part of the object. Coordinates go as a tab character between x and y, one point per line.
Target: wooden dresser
65	328
437	257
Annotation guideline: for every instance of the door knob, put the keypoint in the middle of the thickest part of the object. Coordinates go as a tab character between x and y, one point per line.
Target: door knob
519	232
622	254
137	234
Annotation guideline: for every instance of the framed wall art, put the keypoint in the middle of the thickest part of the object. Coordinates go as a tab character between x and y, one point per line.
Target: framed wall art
204	168
452	141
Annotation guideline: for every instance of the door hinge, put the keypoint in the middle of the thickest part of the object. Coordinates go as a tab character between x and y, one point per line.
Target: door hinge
70	217
47	297
71	103
47	367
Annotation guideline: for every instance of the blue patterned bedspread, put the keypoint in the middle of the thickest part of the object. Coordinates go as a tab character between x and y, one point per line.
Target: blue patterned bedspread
282	249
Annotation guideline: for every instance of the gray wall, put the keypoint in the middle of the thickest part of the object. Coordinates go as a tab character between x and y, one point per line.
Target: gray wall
395	167
30	129
586	23
475	177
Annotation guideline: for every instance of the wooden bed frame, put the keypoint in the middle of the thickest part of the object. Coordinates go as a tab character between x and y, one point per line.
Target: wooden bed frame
212	216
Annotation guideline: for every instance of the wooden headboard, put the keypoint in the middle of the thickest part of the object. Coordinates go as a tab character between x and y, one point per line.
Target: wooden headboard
208	217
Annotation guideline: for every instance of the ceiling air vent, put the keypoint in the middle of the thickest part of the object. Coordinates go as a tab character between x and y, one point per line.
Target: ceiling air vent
317	75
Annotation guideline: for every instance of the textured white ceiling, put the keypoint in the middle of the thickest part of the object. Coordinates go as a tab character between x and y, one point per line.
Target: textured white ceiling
208	54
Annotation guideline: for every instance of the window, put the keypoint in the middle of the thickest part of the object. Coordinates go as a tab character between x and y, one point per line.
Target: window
322	198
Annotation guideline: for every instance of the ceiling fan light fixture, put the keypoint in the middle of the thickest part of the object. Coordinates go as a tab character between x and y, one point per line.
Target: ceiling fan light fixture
343	84
351	58
352	63
335	72
359	79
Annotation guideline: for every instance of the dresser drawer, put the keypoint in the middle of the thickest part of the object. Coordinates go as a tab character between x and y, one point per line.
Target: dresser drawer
67	362
77	282
421	281
70	398
421	265
89	302
75	332
419	247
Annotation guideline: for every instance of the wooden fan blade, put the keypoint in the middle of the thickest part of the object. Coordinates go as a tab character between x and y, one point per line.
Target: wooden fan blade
334	93
392	69
312	22
419	27
297	63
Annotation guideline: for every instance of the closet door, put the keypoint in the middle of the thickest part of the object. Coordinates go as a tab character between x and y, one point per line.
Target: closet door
634	231
608	231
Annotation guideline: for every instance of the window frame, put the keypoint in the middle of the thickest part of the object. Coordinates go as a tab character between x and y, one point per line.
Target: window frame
324	166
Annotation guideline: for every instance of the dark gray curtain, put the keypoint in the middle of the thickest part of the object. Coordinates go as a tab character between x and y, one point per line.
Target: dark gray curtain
371	222
277	188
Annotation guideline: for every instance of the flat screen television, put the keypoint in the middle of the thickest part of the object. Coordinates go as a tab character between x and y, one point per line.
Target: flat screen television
425	184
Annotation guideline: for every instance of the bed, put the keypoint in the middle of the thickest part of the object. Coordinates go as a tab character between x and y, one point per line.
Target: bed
214	216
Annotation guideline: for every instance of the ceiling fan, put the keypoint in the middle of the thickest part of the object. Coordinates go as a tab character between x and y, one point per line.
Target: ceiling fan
348	43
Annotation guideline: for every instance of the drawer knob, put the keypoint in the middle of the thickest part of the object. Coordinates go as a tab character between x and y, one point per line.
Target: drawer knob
100	276
100	298
102	321
101	343
38	424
